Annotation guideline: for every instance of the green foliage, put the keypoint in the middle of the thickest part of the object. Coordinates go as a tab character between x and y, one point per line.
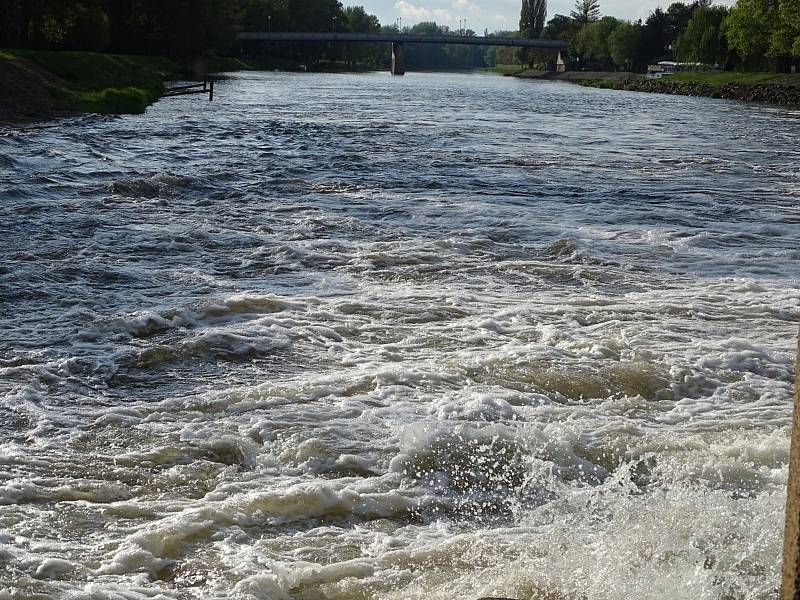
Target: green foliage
623	44
128	100
592	42
442	56
560	27
678	16
198	31
703	41
358	20
764	27
504	56
105	83
586	11
90	29
654	41
609	43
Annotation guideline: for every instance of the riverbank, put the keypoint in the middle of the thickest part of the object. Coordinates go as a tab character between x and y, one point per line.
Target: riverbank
577	76
766	93
767	88
41	84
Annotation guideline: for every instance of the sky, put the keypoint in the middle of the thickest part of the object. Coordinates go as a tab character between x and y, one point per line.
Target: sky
492	14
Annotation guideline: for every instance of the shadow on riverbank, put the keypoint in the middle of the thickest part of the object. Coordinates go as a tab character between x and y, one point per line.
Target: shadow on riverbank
42	84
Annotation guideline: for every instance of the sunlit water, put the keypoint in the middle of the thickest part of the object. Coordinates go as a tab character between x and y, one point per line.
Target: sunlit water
432	337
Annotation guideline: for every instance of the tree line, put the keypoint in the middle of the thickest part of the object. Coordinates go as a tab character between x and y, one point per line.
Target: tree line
753	34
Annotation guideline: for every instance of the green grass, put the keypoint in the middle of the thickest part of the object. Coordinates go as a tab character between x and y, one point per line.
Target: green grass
104	83
731	77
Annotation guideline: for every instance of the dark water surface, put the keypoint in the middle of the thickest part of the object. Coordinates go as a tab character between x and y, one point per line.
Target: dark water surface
356	337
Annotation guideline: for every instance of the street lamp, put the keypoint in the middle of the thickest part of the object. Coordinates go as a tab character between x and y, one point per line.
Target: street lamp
333	21
269	24
459	27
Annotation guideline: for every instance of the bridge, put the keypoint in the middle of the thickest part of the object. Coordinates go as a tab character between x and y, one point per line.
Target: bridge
399	40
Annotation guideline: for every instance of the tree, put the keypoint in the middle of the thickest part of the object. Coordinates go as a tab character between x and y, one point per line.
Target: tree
560	27
586	11
592	42
678	16
789	13
654	37
532	17
623	44
358	20
703	40
90	29
764	28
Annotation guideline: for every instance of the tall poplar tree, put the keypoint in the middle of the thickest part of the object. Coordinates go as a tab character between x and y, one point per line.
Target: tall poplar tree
532	17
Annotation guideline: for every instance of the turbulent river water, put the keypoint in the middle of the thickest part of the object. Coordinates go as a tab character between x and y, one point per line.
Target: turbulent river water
432	337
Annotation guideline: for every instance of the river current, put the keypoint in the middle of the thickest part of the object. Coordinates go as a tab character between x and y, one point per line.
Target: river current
431	337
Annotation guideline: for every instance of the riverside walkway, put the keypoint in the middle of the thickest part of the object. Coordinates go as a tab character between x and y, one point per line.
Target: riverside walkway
398	41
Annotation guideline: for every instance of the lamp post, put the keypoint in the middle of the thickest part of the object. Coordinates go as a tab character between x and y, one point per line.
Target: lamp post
459	27
269	24
333	22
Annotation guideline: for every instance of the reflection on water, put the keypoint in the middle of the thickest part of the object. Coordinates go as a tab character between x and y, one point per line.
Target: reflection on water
438	336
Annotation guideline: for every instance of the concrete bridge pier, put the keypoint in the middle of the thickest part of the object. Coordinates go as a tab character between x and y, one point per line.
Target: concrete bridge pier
398	58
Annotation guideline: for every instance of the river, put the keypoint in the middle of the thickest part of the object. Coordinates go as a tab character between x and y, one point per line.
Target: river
432	337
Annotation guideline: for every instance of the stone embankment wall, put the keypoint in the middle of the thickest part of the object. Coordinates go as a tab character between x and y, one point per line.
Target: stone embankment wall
766	93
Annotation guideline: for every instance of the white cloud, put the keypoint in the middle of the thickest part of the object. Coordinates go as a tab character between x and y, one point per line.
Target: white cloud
415	14
464	5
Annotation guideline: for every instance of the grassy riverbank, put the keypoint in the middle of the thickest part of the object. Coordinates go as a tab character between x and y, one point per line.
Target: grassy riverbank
42	83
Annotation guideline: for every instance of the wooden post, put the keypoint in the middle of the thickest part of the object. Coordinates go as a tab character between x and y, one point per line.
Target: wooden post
790	580
211	91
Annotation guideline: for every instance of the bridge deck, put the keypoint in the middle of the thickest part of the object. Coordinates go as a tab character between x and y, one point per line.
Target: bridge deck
256	36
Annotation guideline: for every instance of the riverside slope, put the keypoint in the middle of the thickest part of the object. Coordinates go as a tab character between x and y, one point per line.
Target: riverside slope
40	85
